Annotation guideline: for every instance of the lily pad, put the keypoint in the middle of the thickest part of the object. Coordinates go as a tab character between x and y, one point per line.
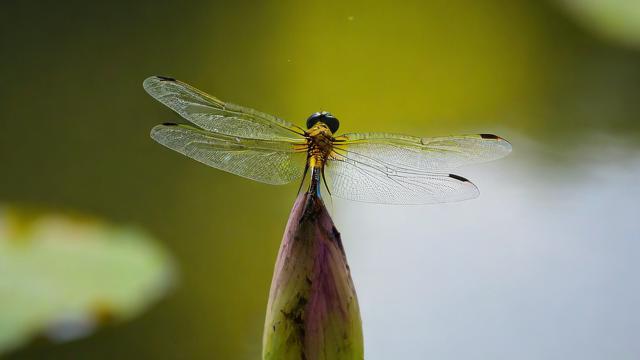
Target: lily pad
61	275
617	20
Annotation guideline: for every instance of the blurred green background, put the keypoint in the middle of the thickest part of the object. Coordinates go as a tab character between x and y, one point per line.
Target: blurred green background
74	123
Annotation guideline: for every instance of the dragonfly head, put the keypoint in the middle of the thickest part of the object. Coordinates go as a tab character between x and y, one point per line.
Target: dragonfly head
325	117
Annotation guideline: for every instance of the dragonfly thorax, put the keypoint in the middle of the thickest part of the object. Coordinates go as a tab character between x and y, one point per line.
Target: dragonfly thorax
319	144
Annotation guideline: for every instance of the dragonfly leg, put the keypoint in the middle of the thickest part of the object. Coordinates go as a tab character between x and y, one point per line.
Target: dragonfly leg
304	176
326	185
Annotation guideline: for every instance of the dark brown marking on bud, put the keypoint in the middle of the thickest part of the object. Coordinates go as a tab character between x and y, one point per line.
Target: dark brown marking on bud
295	318
490	136
165	78
312	209
337	239
335	232
170	124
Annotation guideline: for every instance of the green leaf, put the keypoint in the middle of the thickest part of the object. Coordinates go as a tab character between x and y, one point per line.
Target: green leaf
617	20
61	276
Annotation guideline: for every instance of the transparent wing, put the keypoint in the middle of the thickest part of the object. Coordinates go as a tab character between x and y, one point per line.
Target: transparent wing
430	153
214	115
268	161
351	176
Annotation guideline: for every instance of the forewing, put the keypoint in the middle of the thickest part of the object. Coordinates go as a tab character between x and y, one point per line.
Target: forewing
358	178
429	154
215	115
269	161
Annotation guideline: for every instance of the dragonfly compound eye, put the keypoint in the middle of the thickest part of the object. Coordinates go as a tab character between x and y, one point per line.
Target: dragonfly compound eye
324	117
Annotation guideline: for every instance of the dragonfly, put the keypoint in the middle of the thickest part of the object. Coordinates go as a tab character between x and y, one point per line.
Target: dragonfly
369	167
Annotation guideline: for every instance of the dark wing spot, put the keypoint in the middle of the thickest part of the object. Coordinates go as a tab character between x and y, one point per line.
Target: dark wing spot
170	124
490	136
457	177
165	78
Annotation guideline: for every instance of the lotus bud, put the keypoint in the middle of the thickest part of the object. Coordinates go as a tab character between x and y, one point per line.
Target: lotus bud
313	311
